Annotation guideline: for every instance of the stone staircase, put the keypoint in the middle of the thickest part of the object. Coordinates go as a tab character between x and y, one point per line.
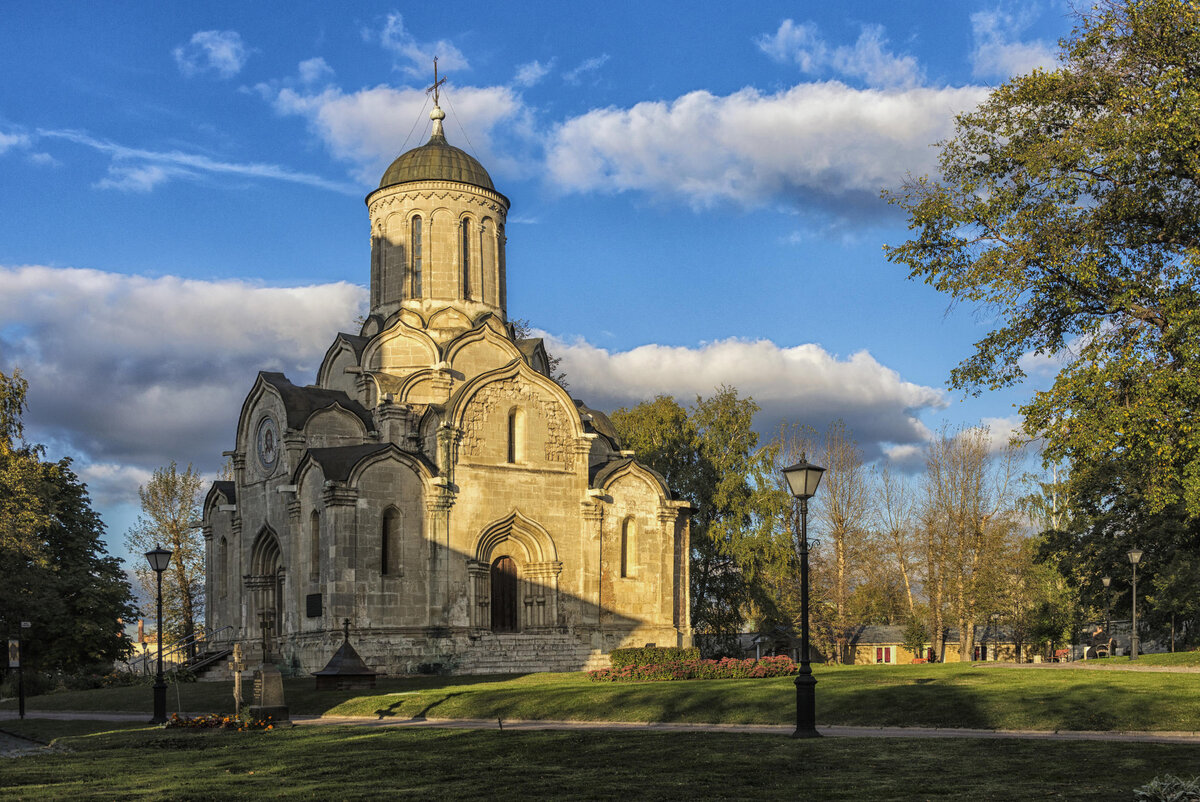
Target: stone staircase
521	653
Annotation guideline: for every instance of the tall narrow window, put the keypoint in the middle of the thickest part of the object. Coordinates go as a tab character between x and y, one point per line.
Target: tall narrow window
389	545
222	567
466	258
628	547
416	257
314	545
516	435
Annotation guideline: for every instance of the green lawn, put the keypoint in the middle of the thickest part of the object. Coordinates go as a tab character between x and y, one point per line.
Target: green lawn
376	763
45	730
1163	659
954	695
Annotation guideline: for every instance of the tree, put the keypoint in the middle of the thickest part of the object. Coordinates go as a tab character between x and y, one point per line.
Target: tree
22	509
56	573
968	518
839	516
1068	207
170	504
915	636
709	455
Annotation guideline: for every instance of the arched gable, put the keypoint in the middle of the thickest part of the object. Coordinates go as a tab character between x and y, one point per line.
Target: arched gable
400	349
447	322
344	353
517	536
334	426
347	463
480	408
483	348
611	476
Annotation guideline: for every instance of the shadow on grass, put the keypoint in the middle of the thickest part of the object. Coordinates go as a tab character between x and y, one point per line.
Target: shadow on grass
391	710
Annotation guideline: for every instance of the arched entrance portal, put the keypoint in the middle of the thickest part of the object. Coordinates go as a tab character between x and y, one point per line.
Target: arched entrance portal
265	580
504	595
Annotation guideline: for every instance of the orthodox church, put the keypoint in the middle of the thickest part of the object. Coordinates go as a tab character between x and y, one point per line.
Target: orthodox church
435	486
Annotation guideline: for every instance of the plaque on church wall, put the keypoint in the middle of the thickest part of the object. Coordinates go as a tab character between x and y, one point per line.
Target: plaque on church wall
313	605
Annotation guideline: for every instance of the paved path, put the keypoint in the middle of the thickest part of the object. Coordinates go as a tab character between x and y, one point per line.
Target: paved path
620	726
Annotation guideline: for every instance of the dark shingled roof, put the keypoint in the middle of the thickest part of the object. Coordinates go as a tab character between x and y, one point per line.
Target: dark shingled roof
356	342
437	160
337	462
345	663
226	489
599	423
302	402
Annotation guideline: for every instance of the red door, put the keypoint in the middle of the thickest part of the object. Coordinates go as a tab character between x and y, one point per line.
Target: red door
504	595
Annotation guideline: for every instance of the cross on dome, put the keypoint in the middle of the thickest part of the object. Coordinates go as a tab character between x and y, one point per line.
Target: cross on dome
437	115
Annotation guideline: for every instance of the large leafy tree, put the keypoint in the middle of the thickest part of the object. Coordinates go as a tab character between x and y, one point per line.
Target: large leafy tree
56	572
1068	208
709	455
170	505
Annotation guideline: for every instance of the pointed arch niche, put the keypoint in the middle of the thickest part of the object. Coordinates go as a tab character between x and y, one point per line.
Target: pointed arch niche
515	564
265	583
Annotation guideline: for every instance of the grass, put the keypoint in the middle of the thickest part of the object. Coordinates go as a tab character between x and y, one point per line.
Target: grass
46	730
944	695
370	763
1159	659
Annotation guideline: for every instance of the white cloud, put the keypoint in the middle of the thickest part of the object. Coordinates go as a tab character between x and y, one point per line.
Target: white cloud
9	141
44	160
313	70
366	127
800	384
222	52
1001	431
140	169
419	55
822	144
139	178
532	72
998	54
129	372
587	66
867	59
110	483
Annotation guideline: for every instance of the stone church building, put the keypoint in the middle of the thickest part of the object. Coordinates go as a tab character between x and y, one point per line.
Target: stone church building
435	485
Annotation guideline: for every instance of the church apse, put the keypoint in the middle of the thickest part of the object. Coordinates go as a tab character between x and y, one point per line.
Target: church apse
435	485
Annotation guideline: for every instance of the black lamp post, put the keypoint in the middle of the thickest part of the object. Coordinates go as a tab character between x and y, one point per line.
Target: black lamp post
159	558
1108	639
803	479
1135	557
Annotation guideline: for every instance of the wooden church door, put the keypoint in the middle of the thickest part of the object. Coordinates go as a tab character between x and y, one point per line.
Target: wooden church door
504	595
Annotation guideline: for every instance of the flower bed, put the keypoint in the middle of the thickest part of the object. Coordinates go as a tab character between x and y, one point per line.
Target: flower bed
726	668
218	721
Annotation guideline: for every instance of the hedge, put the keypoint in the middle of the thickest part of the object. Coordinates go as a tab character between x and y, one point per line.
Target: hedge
727	668
652	655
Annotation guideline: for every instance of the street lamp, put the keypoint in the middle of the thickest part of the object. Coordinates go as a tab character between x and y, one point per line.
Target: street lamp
159	558
1135	557
1107	580
803	479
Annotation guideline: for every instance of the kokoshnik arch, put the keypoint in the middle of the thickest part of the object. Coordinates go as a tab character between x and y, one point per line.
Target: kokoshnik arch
436	486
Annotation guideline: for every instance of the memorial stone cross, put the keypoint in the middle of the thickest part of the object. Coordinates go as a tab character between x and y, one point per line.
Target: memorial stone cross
236	666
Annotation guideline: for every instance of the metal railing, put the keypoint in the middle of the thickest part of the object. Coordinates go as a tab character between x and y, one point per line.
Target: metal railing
146	663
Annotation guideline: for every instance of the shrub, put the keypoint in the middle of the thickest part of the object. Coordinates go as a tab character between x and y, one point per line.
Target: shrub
1169	788
219	721
727	668
652	655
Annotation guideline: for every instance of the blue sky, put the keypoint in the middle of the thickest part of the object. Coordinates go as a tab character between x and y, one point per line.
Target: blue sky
695	201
